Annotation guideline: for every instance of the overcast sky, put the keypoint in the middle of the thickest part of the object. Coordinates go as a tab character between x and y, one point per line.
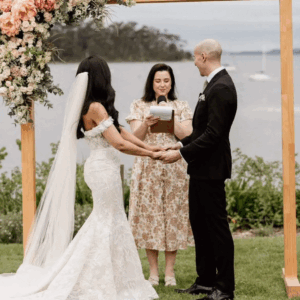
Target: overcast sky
237	25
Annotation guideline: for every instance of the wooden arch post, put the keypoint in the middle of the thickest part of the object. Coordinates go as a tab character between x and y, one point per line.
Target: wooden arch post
28	175
290	273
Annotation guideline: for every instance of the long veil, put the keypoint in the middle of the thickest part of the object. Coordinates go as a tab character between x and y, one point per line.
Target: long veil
53	227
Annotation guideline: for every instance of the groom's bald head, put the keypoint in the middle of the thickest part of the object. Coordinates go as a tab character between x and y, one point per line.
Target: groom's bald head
211	47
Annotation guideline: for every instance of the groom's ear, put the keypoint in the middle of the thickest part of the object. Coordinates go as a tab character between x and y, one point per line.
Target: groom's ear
204	56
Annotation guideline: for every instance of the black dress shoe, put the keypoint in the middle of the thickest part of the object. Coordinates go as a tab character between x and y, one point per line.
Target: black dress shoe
196	289
218	295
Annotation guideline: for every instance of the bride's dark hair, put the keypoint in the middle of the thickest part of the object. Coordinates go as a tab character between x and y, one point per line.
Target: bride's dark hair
99	89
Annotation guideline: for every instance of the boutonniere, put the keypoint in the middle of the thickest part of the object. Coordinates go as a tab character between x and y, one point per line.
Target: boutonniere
201	97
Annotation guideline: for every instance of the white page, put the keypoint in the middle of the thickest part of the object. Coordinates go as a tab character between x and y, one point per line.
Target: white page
164	112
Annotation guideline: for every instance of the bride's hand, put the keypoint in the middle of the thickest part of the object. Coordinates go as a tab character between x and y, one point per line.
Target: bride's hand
156	155
156	148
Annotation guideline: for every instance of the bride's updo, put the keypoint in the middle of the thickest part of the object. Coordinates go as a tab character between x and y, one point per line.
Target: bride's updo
99	89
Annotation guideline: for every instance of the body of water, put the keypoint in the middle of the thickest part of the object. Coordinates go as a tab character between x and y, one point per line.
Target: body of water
256	129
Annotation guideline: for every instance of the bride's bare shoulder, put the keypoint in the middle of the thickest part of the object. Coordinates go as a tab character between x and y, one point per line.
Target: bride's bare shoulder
97	112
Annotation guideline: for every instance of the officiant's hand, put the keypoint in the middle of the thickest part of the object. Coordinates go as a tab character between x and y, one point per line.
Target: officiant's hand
170	156
176	146
151	120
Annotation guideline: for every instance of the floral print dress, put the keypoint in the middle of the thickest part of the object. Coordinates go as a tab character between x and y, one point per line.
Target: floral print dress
158	204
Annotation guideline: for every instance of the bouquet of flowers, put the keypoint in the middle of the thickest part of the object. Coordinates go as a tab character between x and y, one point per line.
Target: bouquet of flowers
25	52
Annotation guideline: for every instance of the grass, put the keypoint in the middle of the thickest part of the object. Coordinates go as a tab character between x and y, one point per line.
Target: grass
258	267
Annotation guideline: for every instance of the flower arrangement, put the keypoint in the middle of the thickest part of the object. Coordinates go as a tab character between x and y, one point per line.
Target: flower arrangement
25	52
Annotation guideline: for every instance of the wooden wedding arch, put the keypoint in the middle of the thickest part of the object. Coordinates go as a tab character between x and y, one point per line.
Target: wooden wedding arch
290	273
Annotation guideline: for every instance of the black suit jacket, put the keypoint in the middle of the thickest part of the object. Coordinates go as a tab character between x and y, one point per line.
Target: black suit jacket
207	149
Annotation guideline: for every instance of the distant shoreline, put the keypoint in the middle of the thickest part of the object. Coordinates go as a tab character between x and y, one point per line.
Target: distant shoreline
272	52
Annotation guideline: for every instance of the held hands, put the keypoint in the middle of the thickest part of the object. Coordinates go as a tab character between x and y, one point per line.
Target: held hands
176	146
168	154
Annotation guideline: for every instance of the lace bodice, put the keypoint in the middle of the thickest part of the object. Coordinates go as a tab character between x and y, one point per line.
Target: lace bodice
100	148
94	136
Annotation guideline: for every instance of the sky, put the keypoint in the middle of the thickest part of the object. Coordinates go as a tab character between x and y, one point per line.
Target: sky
237	25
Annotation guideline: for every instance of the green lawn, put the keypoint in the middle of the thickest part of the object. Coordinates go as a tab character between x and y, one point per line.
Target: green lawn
258	265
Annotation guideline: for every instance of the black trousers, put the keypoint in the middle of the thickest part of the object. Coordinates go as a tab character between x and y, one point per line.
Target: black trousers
213	239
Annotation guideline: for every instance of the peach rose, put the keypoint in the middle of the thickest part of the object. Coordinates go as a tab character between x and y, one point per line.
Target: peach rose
5	5
24	10
47	5
9	24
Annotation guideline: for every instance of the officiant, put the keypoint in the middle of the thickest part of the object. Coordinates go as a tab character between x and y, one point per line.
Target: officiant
158	204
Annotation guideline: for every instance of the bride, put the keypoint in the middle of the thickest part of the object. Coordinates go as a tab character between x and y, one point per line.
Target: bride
101	262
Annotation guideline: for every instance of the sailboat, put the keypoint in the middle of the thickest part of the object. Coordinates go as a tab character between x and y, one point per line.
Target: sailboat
261	76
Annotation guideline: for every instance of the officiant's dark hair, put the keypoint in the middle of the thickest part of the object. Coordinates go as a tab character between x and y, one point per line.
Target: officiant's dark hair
149	94
99	89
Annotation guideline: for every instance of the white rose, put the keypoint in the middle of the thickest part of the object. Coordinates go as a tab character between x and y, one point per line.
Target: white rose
8	83
3	91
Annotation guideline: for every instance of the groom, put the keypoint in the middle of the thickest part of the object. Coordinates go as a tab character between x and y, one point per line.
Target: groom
207	152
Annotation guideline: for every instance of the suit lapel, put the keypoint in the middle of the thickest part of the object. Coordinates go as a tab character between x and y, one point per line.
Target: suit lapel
214	79
208	87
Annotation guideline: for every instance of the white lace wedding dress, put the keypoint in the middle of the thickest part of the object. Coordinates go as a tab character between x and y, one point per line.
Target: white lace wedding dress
101	262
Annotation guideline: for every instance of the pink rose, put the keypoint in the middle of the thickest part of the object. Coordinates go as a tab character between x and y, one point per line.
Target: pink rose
24	10
9	24
5	5
47	5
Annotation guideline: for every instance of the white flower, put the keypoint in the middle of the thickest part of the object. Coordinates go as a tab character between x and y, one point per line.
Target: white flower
8	83
201	97
28	38
3	91
39	44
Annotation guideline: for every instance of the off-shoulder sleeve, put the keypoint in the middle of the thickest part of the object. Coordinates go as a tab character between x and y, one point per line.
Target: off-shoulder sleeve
186	112
100	128
136	112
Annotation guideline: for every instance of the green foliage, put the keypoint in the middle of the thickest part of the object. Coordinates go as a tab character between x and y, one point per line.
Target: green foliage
254	194
117	42
3	154
82	212
11	228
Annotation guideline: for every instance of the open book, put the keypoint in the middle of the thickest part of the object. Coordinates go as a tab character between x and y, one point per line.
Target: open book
166	122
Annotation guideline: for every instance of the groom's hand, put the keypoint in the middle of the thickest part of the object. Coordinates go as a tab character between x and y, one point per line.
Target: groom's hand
176	146
170	156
